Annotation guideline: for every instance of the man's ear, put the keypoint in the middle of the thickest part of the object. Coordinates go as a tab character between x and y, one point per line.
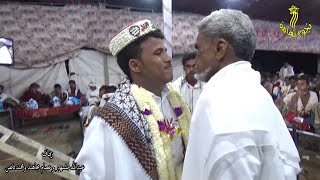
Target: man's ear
221	48
135	65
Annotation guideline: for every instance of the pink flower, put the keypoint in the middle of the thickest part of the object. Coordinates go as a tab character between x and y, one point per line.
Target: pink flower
167	127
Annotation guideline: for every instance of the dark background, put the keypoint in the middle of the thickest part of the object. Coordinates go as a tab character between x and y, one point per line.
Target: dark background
271	61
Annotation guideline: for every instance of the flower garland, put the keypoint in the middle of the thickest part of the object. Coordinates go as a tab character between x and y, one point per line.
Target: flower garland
161	141
178	103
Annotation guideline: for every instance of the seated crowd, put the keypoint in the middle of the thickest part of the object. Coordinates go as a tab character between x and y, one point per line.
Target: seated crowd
33	98
296	96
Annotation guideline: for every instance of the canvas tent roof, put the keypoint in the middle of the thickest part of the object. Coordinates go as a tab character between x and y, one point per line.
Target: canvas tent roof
45	35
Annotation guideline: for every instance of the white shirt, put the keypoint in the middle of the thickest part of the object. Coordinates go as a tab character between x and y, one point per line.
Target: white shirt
286	72
5	57
238	135
312	100
289	90
277	89
94	93
168	113
189	93
3	97
106	157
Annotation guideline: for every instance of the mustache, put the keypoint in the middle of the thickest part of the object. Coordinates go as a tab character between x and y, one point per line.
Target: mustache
169	65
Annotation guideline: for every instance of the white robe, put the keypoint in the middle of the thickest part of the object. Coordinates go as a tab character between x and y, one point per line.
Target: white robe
189	93
106	157
238	135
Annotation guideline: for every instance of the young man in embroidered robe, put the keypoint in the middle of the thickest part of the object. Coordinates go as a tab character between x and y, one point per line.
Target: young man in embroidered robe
130	136
234	136
189	87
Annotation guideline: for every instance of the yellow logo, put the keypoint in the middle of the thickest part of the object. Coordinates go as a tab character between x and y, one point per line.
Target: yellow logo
291	31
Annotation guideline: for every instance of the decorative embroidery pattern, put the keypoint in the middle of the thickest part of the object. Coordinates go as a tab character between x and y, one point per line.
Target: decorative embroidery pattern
131	135
134	30
124	100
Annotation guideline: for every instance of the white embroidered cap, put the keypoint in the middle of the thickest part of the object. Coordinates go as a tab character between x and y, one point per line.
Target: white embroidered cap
129	34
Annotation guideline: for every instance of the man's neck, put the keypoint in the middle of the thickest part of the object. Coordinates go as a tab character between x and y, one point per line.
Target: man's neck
305	92
155	88
191	81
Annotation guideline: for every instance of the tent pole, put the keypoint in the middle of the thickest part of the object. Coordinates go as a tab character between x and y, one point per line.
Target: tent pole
318	67
106	71
167	24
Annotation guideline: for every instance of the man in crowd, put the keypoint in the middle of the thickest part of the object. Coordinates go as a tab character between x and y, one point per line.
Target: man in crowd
265	82
189	87
142	131
285	87
3	97
105	93
57	96
286	71
277	85
35	94
316	87
302	101
92	91
74	94
235	135
292	86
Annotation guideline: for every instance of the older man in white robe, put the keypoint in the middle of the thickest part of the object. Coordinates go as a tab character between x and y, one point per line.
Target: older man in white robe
235	135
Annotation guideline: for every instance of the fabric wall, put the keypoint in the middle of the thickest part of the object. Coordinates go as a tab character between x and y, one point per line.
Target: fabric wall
88	67
116	74
17	81
45	35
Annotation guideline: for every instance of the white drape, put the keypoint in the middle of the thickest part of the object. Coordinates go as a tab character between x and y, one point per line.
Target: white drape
16	81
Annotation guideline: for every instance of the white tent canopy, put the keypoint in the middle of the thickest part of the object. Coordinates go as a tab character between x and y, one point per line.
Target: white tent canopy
88	65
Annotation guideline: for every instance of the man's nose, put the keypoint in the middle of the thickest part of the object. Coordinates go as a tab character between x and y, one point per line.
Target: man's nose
167	58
